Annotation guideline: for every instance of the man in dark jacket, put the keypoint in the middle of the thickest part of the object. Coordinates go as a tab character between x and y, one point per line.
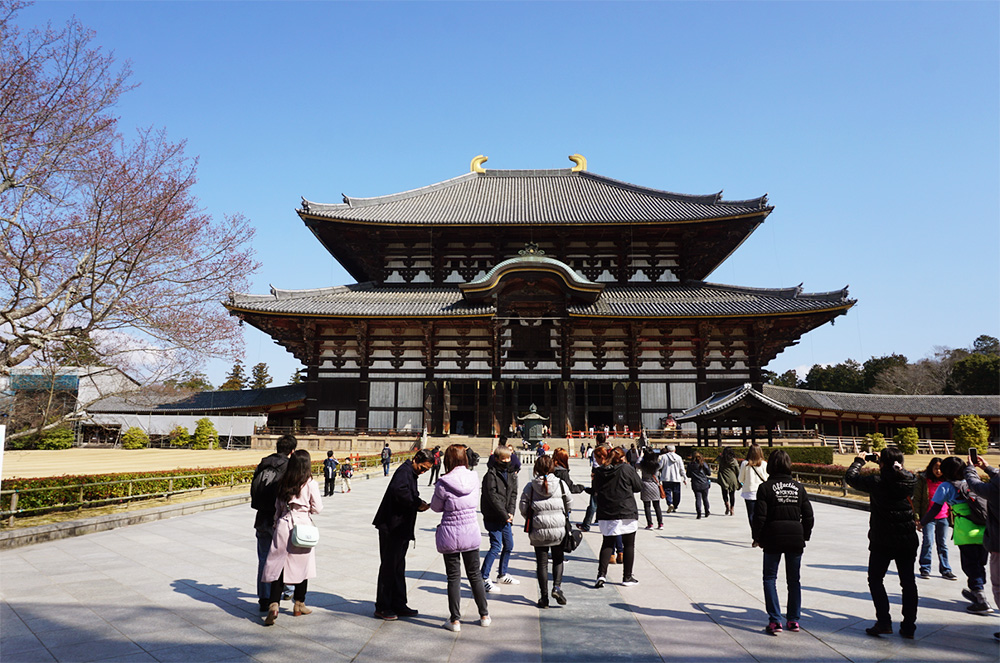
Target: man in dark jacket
497	502
396	520
892	536
990	491
263	492
782	523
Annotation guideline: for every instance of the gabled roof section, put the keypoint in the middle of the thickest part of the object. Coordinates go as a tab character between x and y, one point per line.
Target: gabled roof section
560	196
532	264
207	401
723	402
833	401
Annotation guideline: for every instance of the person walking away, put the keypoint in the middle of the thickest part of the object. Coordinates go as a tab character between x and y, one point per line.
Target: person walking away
436	467
498	503
990	491
395	521
751	475
346	472
937	529
545	505
652	490
701	481
782	523
263	492
891	536
615	485
671	475
970	529
588	516
298	498
386	457
456	496
729	478
329	474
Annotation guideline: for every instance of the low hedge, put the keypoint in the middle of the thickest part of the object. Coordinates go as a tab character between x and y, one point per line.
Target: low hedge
812	455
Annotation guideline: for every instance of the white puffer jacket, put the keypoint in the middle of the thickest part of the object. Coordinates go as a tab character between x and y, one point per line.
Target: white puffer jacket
547	509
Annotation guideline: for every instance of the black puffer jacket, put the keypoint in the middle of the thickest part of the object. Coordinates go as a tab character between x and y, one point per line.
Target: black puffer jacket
563	473
499	495
891	526
614	487
783	516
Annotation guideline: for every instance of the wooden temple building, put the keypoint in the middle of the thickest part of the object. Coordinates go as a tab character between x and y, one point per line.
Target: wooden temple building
481	295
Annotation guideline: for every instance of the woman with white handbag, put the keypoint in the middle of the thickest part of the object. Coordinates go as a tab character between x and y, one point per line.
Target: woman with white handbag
292	558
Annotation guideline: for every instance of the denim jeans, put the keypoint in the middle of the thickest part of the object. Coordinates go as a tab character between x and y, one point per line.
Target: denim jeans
793	611
750	509
672	491
700	499
453	563
501	543
935	531
588	517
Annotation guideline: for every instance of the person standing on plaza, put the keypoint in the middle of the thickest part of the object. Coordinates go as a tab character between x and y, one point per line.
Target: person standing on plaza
989	491
588	516
752	474
346	473
456	496
729	478
560	467
615	484
498	503
329	474
652	490
936	531
701	482
671	475
396	521
892	536
263	492
970	530
545	505
436	467
386	457
782	523
297	499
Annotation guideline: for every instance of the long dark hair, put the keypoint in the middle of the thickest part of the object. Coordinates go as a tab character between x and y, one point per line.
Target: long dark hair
650	461
929	472
543	468
727	456
888	459
298	472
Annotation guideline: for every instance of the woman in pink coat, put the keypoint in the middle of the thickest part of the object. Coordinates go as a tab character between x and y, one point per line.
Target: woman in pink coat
298	497
456	497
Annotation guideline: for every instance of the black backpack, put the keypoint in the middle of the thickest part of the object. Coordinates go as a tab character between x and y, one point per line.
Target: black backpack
264	487
472	457
977	503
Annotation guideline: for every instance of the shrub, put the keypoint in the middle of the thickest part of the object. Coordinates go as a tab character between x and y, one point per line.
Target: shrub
907	439
875	441
179	437
57	438
205	435
970	430
815	455
135	438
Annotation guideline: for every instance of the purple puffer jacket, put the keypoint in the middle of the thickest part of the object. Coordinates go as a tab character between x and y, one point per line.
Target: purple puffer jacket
456	496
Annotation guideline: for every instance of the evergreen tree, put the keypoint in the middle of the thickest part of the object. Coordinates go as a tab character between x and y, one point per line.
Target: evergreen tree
236	379
295	379
260	376
844	377
875	366
192	381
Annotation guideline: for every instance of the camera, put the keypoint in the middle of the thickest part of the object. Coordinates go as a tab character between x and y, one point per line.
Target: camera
871	458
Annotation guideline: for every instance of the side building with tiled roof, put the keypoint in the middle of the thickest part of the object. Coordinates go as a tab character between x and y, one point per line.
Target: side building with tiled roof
481	295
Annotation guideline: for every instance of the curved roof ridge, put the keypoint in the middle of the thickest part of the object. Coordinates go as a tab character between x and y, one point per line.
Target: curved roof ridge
793	292
351	202
700	199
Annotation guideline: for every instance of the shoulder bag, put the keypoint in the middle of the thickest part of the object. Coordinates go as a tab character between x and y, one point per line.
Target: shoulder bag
304	535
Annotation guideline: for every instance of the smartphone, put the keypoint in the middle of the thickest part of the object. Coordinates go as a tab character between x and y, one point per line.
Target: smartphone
973	455
871	458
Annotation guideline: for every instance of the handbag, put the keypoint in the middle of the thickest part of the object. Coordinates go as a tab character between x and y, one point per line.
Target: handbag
663	495
572	539
305	535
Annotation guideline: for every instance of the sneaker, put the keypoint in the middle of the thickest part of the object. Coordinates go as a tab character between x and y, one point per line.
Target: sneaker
969	596
793	627
488	584
879	629
925	574
979	608
454	627
599	583
660	526
629	581
558	595
387	615
406	611
773	628
648	527
508	579
485	621
907	633
948	575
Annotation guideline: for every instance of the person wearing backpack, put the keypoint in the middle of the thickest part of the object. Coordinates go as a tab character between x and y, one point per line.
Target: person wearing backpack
346	472
386	459
263	492
990	491
329	474
970	525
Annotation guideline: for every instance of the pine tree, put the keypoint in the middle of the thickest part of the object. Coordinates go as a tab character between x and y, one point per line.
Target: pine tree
260	376
295	379
236	379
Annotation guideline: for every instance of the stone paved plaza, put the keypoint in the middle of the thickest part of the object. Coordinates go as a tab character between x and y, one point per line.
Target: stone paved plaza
183	590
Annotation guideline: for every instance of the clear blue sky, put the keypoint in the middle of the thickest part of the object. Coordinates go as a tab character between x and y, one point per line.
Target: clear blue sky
872	126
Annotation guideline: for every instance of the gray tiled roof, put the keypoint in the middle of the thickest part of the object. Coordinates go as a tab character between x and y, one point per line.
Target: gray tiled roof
636	300
243	399
533	197
722	401
945	406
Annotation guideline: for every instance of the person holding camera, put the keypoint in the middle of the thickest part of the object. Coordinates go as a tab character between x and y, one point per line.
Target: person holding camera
990	491
892	536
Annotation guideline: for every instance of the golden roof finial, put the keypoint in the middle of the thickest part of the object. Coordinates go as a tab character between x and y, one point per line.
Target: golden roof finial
477	164
580	161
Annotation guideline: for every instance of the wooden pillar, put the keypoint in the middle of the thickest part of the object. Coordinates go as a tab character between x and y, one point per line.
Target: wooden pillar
430	391
475	427
446	407
310	419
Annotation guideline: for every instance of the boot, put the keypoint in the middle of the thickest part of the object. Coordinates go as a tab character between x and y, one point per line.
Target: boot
300	608
620	558
272	614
